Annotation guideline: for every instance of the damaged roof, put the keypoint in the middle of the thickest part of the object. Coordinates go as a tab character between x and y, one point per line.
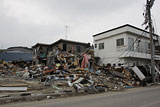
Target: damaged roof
61	40
40	44
70	41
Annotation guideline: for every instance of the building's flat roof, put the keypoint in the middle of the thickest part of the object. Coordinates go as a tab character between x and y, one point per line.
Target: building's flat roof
122	27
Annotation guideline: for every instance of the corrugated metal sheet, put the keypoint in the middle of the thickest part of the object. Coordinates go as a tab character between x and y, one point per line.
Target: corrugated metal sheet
16	56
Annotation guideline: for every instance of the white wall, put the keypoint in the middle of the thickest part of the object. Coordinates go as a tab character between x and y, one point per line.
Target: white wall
109	53
113	54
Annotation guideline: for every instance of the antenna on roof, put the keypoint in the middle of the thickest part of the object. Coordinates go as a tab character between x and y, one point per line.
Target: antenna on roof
66	32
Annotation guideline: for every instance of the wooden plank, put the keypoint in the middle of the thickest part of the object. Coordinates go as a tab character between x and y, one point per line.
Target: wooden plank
13	85
13	88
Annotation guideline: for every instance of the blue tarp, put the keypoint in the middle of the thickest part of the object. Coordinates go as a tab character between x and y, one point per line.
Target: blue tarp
16	56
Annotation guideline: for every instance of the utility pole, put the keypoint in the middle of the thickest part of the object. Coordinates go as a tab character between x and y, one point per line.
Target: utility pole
149	21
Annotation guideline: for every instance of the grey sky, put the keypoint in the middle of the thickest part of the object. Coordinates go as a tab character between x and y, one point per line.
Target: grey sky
26	22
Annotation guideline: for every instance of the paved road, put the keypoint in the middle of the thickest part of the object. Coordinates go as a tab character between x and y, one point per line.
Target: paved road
136	97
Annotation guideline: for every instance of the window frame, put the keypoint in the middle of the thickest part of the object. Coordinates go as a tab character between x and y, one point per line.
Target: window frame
131	44
120	42
101	46
78	48
95	45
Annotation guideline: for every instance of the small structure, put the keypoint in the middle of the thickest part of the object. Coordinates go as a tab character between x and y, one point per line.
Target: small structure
16	54
41	51
127	45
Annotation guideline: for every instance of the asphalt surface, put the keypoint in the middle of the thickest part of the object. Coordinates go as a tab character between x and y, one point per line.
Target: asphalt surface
136	97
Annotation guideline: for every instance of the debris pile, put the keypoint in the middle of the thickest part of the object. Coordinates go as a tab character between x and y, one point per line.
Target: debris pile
79	73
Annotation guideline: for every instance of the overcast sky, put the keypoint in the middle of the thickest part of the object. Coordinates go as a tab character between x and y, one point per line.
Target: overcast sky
27	22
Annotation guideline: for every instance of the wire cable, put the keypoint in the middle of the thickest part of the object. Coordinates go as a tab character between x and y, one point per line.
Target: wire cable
128	48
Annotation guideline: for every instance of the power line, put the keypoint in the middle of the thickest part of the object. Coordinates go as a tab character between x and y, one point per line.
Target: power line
127	49
154	22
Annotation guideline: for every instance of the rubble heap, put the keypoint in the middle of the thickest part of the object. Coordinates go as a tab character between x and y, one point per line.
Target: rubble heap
68	72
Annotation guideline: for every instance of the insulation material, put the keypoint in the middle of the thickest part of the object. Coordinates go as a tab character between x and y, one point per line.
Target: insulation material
138	73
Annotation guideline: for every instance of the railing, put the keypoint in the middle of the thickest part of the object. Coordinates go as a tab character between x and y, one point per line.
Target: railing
137	49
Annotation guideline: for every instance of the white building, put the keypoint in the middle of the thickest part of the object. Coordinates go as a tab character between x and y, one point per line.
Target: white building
126	45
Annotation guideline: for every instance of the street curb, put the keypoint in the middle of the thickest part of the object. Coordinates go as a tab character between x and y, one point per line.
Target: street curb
29	98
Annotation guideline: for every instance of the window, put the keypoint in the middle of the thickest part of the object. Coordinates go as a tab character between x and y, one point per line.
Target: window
130	44
101	46
144	47
95	45
120	42
64	47
40	48
78	48
34	51
149	45
42	55
139	46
